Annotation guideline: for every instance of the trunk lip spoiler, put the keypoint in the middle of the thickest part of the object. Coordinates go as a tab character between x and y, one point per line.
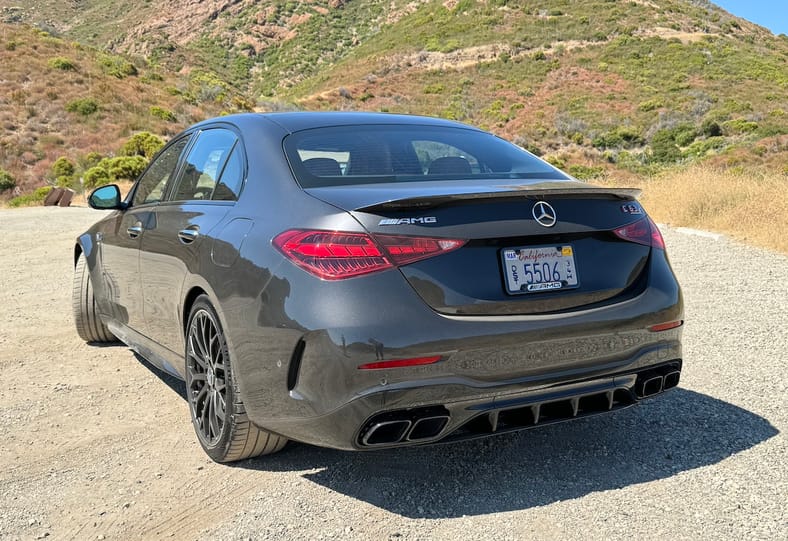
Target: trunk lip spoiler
433	200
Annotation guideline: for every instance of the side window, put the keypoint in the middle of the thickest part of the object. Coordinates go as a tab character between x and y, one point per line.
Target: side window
152	184
233	175
203	165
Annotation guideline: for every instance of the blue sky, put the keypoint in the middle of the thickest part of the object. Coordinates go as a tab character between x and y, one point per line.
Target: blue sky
773	14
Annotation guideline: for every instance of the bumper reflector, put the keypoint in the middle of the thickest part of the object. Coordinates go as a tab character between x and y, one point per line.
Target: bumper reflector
666	326
399	363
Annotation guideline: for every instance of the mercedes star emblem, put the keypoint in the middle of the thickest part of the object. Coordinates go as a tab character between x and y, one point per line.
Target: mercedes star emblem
544	214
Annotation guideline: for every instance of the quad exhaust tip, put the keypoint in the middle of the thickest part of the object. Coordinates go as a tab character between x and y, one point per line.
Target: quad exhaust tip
671	380
655	381
427	428
386	433
650	386
412	426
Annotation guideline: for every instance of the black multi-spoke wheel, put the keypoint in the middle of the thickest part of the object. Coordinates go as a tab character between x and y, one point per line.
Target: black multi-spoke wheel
217	411
207	386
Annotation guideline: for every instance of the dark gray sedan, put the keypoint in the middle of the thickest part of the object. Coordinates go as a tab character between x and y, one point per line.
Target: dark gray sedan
364	281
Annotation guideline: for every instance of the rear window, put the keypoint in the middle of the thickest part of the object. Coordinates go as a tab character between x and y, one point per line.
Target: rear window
338	156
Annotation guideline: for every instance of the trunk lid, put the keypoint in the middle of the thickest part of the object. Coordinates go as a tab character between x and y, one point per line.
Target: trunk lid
499	221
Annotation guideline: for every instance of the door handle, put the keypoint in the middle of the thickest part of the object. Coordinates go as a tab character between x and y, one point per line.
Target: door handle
135	230
187	236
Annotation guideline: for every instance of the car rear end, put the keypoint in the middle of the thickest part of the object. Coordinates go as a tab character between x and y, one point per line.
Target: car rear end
473	297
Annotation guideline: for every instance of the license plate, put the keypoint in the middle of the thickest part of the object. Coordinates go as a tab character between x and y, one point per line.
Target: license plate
543	268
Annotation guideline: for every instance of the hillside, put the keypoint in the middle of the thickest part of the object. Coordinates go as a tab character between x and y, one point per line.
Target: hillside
60	98
601	87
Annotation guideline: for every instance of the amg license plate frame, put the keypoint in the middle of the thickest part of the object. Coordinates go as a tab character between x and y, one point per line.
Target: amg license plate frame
539	269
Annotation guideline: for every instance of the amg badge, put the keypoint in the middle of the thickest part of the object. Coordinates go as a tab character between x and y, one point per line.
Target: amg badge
409	221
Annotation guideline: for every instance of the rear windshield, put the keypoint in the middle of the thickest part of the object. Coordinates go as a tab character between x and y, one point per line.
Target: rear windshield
344	155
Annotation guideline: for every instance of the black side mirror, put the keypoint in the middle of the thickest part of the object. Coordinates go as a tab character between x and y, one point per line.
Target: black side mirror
106	198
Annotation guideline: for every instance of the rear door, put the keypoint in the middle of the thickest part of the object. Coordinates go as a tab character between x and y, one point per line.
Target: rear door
172	248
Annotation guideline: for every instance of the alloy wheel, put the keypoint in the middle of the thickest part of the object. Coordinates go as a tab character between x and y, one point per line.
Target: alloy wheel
206	364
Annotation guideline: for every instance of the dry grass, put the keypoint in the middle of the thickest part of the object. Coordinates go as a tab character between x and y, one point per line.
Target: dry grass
751	206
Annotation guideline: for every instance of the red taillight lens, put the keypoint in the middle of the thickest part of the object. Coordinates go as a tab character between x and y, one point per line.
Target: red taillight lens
335	255
404	250
644	232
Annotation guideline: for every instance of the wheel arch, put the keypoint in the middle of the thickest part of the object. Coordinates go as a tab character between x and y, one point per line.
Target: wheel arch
188	302
85	245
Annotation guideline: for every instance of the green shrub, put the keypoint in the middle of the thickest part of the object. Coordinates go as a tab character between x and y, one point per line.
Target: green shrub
62	64
556	161
142	144
63	167
650	105
91	159
95	177
586	172
66	182
435	88
664	148
83	106
7	181
441	46
702	147
116	66
164	114
710	128
621	137
684	135
124	167
739	125
38	195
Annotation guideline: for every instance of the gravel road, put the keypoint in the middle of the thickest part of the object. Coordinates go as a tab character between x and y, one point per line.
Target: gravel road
96	444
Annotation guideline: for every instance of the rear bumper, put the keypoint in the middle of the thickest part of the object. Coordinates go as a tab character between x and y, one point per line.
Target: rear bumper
296	349
361	425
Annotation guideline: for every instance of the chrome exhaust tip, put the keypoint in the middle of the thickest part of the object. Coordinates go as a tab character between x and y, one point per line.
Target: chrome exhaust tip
650	386
427	428
386	432
670	380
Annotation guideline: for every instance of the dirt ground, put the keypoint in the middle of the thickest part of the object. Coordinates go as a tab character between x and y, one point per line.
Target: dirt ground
97	444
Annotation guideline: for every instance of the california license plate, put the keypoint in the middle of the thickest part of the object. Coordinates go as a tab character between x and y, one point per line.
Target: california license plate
544	268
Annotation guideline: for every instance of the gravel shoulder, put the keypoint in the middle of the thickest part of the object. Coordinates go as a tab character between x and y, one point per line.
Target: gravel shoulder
96	444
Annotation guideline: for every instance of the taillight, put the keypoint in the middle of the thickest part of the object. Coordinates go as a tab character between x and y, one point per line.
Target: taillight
404	250
644	232
335	255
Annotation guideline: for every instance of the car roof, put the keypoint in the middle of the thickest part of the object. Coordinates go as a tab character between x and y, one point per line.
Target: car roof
297	121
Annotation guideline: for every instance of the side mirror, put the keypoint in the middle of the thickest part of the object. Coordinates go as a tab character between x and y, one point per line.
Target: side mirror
106	198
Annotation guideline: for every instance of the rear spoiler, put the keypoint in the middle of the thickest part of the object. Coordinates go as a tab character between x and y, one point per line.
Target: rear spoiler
434	200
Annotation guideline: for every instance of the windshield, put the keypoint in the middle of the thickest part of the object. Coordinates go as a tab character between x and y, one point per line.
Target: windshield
365	154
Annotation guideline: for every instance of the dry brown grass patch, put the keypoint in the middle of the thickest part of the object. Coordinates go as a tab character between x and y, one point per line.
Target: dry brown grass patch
749	205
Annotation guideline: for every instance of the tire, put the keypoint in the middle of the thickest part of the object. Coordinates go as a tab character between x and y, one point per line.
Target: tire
211	387
89	325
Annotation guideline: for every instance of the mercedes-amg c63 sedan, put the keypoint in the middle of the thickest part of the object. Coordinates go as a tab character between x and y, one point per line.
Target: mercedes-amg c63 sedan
364	281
